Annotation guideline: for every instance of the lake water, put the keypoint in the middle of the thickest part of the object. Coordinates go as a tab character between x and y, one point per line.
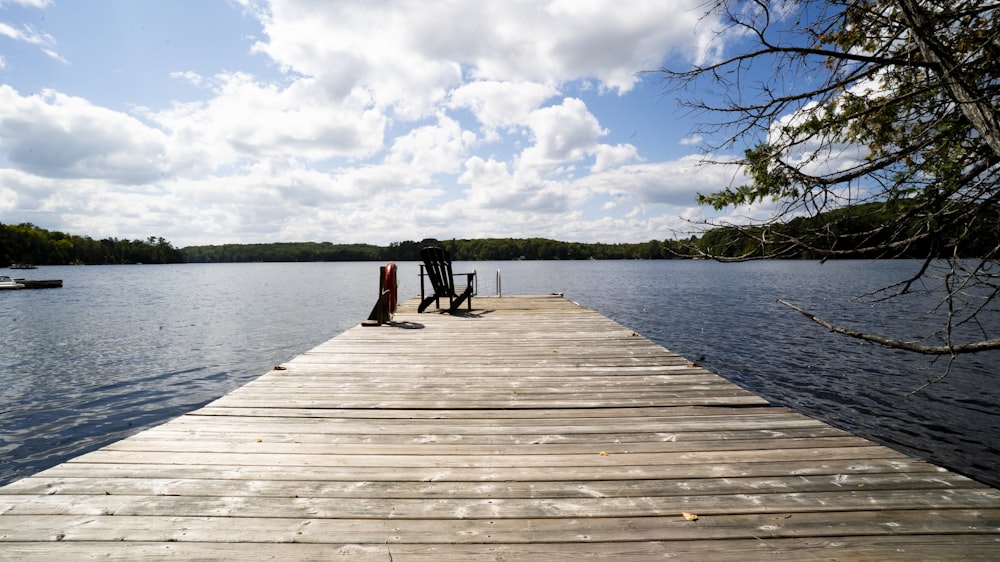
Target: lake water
122	348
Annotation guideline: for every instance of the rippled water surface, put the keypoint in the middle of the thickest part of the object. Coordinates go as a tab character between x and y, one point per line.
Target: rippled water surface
121	348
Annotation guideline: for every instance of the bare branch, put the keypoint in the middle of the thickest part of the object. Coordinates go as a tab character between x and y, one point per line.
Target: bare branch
974	347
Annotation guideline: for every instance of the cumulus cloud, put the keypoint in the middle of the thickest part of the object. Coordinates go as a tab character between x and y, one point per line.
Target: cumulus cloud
500	105
249	119
432	149
58	136
410	52
563	133
540	177
385	121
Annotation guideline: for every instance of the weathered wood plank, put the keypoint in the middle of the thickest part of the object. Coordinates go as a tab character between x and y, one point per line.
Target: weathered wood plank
968	548
610	439
530	428
487	490
426	447
832	503
593	458
590	531
675	415
99	471
657	414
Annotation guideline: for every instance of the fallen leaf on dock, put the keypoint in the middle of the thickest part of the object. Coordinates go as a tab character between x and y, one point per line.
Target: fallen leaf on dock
690	516
603	453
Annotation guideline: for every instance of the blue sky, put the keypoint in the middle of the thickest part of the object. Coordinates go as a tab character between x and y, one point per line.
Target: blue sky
249	121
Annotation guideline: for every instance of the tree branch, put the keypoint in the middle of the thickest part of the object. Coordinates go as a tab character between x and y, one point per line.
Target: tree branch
974	347
972	103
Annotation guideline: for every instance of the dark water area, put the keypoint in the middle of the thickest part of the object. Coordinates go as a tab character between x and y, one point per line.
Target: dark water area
122	348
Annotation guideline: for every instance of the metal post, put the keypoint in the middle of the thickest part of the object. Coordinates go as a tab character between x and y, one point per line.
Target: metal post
421	282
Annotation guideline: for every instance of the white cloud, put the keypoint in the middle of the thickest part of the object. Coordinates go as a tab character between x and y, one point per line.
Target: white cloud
562	133
27	3
189	76
540	178
390	120
671	184
432	149
608	157
410	52
248	119
58	136
383	50
501	105
27	34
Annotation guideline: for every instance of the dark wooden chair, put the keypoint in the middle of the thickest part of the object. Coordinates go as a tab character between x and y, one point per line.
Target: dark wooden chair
436	266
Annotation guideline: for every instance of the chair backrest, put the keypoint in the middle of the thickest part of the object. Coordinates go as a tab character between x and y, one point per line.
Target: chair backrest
437	262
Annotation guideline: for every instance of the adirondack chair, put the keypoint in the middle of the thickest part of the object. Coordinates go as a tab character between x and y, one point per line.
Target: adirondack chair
437	267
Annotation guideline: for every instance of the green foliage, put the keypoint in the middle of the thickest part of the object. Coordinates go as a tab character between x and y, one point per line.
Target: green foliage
836	103
464	250
27	243
282	252
853	232
868	128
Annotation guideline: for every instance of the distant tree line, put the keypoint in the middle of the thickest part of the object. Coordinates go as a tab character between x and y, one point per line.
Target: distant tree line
283	252
859	226
858	231
461	250
844	230
28	244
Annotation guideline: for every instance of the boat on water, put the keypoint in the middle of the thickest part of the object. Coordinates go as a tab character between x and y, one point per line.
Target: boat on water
7	283
23	266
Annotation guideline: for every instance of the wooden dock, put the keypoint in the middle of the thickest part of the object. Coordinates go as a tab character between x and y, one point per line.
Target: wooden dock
39	283
531	428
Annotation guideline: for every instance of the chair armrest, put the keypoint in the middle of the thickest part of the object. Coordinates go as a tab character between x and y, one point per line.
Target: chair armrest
470	280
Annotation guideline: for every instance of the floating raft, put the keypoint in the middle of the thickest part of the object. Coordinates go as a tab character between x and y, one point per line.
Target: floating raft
530	428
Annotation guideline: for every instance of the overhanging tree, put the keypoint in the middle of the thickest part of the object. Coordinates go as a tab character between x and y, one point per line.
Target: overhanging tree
889	106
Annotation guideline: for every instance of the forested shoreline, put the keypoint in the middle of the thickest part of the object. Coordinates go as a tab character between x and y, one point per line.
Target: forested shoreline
460	249
27	243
